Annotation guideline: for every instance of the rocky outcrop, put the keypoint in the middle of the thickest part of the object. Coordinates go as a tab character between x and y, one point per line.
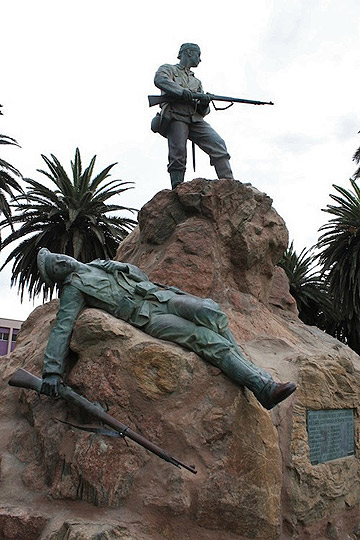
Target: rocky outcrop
174	399
210	238
255	480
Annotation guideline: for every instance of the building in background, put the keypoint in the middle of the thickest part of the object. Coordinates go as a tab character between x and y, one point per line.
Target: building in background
9	329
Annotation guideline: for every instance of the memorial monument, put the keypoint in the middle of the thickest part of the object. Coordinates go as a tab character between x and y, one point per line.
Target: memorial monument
257	472
132	338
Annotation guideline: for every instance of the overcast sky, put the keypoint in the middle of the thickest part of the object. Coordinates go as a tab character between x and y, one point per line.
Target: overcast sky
76	73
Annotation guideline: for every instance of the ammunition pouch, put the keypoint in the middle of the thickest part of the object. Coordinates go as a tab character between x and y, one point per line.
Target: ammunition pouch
125	308
145	287
159	124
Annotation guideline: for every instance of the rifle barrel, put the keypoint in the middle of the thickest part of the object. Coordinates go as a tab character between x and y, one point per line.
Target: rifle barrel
24	379
214	97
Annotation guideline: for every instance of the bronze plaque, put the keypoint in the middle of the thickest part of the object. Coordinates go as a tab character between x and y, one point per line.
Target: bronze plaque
331	434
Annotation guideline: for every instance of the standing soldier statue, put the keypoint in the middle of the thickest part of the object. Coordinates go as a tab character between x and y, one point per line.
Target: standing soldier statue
183	118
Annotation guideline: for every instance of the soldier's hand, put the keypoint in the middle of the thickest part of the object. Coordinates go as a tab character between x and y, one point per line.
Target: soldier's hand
205	100
113	266
187	95
50	385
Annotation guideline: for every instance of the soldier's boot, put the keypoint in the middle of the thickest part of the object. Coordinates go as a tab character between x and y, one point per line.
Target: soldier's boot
176	178
268	392
226	333
222	168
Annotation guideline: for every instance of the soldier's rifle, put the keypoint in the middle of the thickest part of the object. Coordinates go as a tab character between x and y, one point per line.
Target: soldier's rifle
23	379
167	98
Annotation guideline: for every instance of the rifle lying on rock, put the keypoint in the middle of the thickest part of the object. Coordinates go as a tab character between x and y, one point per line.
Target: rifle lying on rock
166	98
24	379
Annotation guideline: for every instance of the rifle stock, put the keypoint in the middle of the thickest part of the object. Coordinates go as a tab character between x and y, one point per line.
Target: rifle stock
24	379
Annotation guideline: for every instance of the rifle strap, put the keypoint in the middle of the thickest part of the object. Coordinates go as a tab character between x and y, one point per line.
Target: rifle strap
99	431
222	108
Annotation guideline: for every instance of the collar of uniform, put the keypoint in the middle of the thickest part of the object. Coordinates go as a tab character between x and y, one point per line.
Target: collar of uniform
183	68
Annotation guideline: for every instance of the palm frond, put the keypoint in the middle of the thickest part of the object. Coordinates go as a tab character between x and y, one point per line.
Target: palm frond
73	218
307	286
339	255
8	184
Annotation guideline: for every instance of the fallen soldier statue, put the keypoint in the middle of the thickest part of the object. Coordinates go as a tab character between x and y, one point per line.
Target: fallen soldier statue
161	311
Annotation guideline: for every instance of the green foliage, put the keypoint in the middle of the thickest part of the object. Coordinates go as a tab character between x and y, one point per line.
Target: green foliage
307	287
330	298
8	184
73	217
339	247
356	158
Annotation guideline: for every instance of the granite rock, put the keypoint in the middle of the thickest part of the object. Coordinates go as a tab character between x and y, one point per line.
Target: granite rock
221	240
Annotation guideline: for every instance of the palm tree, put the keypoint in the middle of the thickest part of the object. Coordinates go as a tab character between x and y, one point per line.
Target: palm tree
356	158
7	181
339	247
307	287
72	218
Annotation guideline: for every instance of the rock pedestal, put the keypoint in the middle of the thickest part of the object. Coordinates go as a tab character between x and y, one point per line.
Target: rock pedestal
255	480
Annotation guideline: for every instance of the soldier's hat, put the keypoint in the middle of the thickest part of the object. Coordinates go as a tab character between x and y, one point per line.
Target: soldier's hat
186	46
42	258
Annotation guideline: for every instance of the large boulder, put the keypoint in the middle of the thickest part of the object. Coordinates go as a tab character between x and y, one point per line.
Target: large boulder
210	238
173	398
255	480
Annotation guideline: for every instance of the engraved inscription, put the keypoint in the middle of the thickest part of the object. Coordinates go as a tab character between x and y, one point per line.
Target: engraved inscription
331	434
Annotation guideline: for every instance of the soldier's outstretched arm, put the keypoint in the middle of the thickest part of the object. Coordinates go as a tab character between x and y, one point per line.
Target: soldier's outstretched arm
72	301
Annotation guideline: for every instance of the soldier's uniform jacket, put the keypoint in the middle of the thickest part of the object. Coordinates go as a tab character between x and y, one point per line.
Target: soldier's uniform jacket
126	295
173	79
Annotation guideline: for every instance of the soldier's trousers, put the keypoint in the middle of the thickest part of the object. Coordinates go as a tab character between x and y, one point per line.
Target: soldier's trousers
202	134
199	325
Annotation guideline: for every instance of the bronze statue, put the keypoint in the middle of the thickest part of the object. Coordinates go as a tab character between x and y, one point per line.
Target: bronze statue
164	312
183	118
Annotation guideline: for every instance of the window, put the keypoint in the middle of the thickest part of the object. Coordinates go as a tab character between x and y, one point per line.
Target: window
4	336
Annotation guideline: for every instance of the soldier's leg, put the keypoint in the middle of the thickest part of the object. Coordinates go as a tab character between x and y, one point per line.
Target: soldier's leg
207	344
216	349
202	311
205	312
177	135
202	134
